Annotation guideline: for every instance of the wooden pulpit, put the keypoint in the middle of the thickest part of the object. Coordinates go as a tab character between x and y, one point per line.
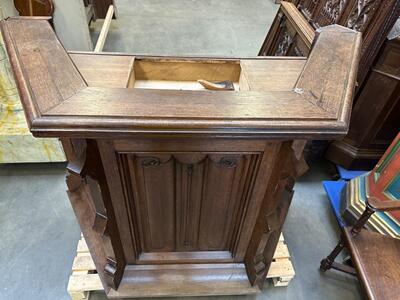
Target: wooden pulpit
180	189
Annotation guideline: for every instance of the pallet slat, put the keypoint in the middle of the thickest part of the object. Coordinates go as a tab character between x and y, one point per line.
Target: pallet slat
83	281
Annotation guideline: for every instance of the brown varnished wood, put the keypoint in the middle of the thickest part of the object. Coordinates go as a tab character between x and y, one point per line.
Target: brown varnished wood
184	280
377	263
378	81
90	198
370	134
257	113
324	93
34	7
40	57
180	190
95	68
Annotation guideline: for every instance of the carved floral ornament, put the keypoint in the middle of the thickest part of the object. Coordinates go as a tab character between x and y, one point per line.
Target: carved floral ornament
284	45
334	8
361	14
230	161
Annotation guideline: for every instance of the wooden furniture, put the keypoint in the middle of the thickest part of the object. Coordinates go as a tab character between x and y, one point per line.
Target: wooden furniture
101	7
370	132
376	113
181	190
376	257
353	203
382	183
34	7
17	145
84	278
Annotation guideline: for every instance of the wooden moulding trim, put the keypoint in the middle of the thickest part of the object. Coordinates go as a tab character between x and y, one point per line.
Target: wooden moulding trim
189	58
185	257
172	280
30	108
100	112
55	127
301	25
345	109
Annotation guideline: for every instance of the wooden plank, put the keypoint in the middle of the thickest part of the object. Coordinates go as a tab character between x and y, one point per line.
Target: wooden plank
160	104
302	27
333	88
82	246
84	283
260	80
104	30
281	251
281	268
41	65
83	262
81	282
54	96
95	68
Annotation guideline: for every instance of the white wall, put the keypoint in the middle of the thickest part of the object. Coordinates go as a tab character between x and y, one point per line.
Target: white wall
8	8
71	25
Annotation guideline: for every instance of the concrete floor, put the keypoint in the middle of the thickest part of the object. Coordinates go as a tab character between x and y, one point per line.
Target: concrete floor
39	234
189	27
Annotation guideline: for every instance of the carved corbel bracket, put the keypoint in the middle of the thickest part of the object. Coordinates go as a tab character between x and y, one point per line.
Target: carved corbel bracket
85	180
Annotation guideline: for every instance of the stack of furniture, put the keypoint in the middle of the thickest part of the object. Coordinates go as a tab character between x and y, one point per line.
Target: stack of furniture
179	189
376	111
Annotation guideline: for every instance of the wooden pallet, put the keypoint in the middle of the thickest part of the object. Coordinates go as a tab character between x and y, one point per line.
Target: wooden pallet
84	278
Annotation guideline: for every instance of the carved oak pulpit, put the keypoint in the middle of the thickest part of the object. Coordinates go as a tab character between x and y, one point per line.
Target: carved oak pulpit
179	189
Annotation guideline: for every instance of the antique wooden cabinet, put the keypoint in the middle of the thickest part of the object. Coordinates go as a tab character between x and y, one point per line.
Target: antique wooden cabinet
181	190
374	121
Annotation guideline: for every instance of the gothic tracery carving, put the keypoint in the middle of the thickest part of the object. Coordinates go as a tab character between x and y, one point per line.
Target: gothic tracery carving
361	14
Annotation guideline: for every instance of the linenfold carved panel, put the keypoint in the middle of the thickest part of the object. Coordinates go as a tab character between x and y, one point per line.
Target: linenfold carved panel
188	201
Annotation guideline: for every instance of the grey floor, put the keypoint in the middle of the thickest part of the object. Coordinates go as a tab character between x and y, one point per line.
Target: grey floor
38	231
189	27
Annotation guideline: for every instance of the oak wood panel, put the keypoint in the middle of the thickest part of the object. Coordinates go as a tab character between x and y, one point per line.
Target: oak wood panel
259	80
188	257
34	7
40	59
371	260
136	103
118	199
187	280
199	198
153	188
95	68
133	111
188	145
326	93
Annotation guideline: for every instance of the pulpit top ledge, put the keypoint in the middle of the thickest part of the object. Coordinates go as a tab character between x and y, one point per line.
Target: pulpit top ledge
58	101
